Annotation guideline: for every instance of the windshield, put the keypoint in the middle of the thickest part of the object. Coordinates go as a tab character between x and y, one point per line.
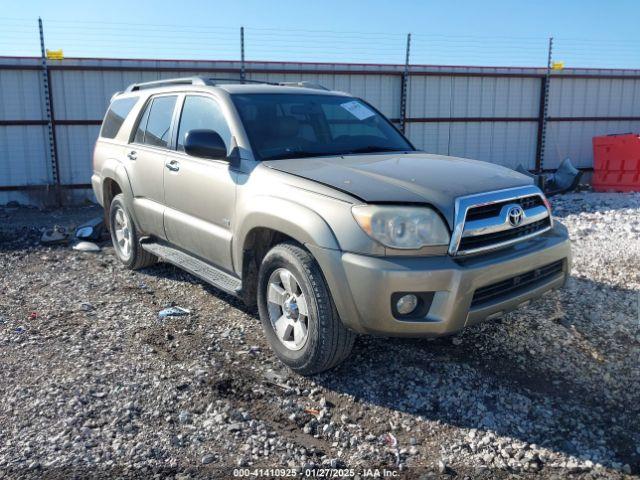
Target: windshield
306	125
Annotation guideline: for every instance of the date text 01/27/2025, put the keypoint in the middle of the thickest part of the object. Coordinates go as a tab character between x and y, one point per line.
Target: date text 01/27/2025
314	473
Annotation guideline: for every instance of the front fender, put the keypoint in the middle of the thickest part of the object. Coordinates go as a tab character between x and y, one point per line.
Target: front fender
298	222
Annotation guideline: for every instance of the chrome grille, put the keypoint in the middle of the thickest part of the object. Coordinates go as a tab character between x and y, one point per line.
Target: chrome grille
479	241
482	221
493	209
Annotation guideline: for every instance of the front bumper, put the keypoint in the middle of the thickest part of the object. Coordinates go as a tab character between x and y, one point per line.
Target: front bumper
362	286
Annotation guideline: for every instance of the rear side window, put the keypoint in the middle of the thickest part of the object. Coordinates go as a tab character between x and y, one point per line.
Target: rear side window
155	123
118	111
202	113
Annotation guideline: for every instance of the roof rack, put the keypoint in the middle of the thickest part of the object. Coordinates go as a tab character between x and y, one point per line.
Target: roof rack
204	81
216	81
315	86
166	82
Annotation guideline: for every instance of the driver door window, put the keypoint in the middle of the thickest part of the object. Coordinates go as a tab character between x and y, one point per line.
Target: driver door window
202	113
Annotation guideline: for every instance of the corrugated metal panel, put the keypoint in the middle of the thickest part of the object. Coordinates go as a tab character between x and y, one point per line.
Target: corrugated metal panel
594	97
21	95
24	158
446	96
382	91
75	152
429	96
573	140
495	97
430	137
85	95
504	143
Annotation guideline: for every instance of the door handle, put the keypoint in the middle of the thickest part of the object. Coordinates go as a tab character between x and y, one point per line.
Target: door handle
132	155
173	165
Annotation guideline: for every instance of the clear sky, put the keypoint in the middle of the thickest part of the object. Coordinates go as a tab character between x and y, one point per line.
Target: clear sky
494	32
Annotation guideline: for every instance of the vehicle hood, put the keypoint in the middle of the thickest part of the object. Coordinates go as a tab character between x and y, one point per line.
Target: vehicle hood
405	178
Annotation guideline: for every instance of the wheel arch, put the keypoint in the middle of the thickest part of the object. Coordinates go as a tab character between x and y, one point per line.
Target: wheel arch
115	180
271	221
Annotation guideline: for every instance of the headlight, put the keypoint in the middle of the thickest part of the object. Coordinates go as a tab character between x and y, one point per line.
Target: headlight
402	227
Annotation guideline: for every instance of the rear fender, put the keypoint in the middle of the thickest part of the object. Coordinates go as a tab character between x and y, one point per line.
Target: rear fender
114	170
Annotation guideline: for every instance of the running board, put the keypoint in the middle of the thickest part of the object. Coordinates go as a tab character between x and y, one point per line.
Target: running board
195	266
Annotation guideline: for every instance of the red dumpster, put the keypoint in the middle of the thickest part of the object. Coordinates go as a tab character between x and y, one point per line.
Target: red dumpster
616	163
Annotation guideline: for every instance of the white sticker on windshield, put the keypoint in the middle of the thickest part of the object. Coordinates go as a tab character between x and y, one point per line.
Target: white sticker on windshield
358	110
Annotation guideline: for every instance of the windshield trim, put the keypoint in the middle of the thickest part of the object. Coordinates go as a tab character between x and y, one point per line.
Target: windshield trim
259	158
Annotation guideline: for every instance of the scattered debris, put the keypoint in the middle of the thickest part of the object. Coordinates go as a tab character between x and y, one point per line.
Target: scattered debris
312	411
86	247
173	312
564	179
86	307
91	230
391	440
184	417
55	236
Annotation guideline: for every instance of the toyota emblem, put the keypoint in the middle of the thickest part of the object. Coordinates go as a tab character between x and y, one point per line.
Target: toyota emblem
515	215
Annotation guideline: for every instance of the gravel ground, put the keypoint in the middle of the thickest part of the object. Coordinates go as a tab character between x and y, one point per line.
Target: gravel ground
94	384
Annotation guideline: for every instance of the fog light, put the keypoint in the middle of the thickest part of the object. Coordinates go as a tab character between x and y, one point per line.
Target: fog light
407	304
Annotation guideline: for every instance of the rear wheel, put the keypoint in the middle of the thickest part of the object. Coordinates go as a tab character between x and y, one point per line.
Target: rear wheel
125	238
297	313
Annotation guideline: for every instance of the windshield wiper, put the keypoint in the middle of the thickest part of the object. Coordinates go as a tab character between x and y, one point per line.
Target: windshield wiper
374	149
305	154
297	154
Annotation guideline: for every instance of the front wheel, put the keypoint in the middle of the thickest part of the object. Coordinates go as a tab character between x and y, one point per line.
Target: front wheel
297	313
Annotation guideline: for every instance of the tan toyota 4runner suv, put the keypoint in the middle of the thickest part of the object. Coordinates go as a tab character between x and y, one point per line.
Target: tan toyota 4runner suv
312	205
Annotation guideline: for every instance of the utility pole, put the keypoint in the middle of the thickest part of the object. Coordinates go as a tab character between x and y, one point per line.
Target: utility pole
403	88
544	110
46	87
242	70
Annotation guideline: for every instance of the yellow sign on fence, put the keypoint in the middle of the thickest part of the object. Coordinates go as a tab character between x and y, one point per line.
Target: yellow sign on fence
557	66
55	54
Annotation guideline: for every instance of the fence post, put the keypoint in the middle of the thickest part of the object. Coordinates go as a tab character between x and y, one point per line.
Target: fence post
242	70
46	87
543	112
403	87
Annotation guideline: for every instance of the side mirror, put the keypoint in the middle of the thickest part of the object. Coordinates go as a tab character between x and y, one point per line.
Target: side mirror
205	144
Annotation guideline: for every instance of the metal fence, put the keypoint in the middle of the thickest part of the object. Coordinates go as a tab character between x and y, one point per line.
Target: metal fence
50	110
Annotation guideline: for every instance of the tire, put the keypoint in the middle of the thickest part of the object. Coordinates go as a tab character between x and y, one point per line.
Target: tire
328	342
133	256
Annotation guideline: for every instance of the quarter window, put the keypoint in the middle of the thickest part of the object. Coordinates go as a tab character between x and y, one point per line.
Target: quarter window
155	125
117	113
202	113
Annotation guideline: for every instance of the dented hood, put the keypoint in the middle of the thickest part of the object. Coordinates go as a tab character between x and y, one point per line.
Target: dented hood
404	178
